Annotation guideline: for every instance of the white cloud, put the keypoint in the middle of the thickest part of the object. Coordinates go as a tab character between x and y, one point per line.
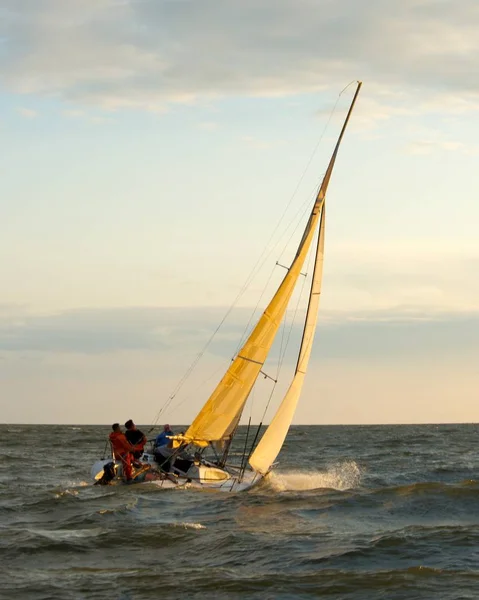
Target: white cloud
171	330
429	146
74	113
376	367
148	54
28	113
208	125
255	142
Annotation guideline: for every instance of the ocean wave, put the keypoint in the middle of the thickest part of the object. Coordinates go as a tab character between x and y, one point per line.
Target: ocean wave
342	476
467	489
189	525
356	521
66	534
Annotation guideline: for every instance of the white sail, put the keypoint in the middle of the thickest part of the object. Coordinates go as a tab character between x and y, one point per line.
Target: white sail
270	444
273	438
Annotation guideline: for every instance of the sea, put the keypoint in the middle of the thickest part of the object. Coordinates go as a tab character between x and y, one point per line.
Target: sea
349	512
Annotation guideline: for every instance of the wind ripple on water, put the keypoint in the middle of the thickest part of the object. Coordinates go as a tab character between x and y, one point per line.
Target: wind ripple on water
370	513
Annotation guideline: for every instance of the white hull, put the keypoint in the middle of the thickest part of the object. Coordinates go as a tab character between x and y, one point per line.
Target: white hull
202	477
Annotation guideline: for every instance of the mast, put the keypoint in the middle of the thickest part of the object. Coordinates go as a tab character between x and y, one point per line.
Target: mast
270	444
221	412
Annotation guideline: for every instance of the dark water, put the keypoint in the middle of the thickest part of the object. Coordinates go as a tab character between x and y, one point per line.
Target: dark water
363	512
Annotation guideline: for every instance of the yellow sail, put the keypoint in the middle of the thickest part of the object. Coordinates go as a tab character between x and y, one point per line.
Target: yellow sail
223	408
268	448
222	411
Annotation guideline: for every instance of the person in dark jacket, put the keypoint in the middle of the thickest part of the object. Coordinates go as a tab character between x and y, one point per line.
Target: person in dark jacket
136	438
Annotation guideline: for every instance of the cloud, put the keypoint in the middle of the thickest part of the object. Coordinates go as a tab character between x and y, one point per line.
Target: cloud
86	117
429	146
148	54
435	276
207	125
74	114
28	113
97	331
255	143
382	334
93	365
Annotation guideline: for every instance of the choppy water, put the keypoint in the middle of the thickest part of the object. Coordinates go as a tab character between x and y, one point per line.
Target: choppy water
363	512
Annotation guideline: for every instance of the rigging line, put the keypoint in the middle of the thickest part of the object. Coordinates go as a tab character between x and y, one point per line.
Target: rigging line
205	381
310	255
319	181
284	346
244	450
252	447
205	347
281	359
307	202
104	450
268	403
274	386
246	329
188	372
305	208
283	330
251	402
303	174
253	273
227	446
300	214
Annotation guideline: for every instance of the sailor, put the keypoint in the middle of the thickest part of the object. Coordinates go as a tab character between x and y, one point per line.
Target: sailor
162	439
135	437
122	449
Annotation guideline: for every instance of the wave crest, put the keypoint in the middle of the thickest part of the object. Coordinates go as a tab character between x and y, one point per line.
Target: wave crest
342	476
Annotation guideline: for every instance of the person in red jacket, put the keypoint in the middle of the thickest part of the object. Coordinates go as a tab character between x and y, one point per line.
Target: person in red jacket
122	449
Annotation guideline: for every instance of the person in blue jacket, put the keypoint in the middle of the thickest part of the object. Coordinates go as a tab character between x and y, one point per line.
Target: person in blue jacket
162	439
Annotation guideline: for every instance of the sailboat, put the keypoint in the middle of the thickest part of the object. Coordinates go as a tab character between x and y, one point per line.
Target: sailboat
184	462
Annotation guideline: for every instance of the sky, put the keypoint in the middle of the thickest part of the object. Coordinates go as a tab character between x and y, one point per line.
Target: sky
153	151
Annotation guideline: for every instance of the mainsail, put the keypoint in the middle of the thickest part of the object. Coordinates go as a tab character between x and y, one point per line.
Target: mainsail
222	411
